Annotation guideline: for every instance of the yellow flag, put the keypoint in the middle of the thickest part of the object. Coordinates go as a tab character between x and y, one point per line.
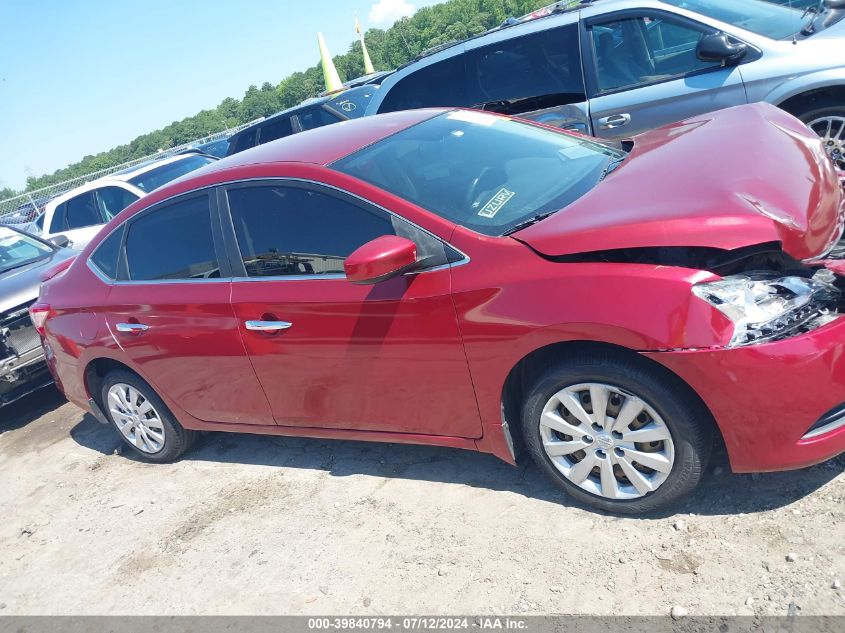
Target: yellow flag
357	25
330	75
368	64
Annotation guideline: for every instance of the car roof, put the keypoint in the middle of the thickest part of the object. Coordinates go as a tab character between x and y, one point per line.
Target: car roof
324	145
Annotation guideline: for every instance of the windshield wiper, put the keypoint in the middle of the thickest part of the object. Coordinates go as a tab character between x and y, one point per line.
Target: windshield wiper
526	223
21	265
809	28
611	166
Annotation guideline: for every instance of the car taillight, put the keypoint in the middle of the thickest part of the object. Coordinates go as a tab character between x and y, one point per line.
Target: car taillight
38	314
53	271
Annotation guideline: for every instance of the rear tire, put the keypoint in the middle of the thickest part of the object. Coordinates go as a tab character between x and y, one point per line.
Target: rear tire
142	419
676	432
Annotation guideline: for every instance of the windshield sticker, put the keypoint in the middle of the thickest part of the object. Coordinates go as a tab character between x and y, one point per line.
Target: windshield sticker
468	116
501	198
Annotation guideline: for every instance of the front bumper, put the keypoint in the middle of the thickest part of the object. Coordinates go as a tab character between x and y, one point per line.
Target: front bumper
766	398
20	376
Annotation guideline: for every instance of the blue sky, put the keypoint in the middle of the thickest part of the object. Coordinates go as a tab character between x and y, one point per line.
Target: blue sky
79	77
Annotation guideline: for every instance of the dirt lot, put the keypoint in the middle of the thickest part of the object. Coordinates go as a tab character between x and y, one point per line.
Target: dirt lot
247	524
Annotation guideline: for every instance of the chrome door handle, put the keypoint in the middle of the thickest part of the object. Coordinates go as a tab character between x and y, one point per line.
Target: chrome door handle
131	328
267	326
617	120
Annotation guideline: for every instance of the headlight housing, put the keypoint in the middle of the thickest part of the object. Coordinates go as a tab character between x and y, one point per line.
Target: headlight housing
764	308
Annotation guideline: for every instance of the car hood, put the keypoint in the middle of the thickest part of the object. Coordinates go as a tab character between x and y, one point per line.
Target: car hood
738	177
20	285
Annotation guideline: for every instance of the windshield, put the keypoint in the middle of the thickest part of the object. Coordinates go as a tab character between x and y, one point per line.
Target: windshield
758	16
160	176
17	249
481	171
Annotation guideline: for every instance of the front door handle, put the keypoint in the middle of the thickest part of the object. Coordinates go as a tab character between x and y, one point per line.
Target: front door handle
131	328
267	326
617	120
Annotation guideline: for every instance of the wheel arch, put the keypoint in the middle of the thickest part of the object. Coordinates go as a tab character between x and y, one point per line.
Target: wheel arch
97	369
795	96
531	366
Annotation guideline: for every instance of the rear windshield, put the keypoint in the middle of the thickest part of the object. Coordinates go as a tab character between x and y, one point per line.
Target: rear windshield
758	16
481	171
160	176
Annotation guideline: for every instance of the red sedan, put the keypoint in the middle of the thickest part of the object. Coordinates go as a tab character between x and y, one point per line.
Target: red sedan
457	278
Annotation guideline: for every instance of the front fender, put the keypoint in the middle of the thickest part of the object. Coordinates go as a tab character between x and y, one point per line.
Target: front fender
806	83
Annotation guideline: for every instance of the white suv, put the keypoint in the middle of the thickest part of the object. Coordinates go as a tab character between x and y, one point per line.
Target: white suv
80	213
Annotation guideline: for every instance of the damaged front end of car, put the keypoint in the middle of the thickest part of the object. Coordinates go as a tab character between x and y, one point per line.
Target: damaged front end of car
22	366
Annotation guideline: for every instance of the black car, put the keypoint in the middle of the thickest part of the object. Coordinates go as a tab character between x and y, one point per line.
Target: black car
317	112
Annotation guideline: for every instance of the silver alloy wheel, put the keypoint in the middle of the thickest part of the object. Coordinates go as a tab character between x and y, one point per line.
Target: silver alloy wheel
607	441
831	129
136	418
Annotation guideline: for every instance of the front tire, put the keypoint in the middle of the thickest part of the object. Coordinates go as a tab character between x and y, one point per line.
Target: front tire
616	432
827	119
142	419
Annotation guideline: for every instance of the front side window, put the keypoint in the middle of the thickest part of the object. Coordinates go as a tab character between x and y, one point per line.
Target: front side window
160	176
482	171
440	84
18	249
284	231
640	51
58	224
173	242
763	18
82	211
279	128
242	140
532	66
113	200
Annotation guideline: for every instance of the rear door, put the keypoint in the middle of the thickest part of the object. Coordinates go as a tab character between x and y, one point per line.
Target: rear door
643	72
170	313
383	357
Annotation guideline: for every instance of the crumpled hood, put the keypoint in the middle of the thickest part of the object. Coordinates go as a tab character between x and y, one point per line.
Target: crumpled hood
21	285
728	179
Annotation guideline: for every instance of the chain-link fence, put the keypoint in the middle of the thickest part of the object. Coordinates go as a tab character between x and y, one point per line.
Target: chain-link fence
27	206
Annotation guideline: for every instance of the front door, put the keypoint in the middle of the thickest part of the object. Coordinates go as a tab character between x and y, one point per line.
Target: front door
645	73
170	313
382	357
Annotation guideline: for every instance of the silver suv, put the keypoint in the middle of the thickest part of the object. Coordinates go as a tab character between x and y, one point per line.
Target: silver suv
614	68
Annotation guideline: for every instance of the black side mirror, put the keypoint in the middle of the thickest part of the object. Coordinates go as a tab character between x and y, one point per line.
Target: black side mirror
717	47
59	240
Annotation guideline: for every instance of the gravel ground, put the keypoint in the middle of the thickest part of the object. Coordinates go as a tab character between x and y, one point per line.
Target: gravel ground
247	524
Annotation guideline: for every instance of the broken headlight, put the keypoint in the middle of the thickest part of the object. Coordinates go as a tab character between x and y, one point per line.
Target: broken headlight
767	308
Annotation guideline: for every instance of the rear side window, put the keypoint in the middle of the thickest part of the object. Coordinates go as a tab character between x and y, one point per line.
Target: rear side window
318	117
285	231
439	84
113	200
105	257
537	65
82	211
279	128
173	242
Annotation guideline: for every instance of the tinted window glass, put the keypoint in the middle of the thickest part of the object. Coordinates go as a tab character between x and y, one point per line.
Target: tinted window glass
164	174
40	221
57	224
243	140
113	200
277	129
174	242
105	257
293	231
483	171
545	63
440	84
316	118
82	211
640	51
